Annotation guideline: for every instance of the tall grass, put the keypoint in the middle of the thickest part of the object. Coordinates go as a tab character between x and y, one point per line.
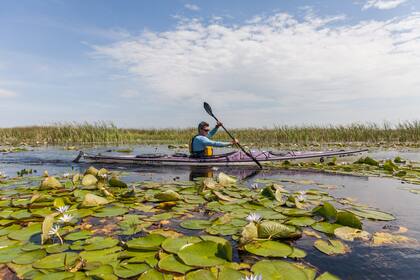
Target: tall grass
75	133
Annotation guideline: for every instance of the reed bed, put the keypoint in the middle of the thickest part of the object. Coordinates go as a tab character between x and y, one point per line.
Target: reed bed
105	133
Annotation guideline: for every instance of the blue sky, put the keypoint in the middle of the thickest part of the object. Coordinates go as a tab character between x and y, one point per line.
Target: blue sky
259	63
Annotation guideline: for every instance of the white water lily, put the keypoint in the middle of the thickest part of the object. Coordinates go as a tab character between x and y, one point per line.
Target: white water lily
54	230
63	209
254	186
252	277
103	176
66	175
301	197
254	217
66	218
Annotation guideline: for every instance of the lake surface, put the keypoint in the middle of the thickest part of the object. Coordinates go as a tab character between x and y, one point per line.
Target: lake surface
363	262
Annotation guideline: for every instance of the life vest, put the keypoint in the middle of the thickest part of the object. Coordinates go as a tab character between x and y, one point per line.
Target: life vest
208	150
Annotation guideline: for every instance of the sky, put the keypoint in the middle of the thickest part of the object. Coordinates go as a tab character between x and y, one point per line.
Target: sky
151	64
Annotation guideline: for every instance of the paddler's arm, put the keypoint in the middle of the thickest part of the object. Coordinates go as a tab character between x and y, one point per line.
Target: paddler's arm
208	142
214	130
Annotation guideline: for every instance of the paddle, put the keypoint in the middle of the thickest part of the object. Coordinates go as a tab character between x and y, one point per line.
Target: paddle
210	112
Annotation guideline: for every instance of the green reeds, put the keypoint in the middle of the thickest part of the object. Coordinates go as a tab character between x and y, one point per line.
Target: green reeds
105	133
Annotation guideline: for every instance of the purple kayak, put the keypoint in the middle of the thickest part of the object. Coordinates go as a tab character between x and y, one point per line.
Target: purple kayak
228	159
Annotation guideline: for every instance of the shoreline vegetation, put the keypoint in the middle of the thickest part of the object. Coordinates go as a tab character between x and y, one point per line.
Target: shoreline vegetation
404	134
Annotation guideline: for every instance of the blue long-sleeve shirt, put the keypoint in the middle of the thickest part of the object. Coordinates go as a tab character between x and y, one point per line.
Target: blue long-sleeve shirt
200	141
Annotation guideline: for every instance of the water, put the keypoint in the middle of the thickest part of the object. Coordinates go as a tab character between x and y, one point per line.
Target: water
364	261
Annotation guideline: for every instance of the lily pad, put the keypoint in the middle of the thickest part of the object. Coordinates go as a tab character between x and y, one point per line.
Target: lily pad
56	248
346	218
168	195
110	212
173	245
127	270
89	180
349	233
278	270
201	274
328	211
385	238
201	254
26	233
325	227
327	276
301	221
29	257
154	275
269	249
104	272
173	264
372	214
116	183
331	247
195	224
150	242
99	243
56	261
9	253
91	200
225	180
50	183
270	229
79	235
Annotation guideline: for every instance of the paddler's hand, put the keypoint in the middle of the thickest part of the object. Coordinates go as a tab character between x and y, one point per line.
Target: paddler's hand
234	142
219	124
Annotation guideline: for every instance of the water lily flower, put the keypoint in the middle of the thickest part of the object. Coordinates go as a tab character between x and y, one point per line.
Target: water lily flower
103	176
253	277
63	209
54	230
66	175
254	217
66	218
254	186
301	197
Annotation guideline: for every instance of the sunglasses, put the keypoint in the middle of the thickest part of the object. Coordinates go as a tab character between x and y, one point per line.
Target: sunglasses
206	129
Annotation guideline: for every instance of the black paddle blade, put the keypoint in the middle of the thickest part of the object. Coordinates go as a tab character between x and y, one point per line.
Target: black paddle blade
208	109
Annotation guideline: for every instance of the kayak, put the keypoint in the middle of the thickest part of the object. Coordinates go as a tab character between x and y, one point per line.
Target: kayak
228	159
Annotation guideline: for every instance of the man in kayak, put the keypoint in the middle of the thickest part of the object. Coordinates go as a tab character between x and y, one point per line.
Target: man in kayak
201	145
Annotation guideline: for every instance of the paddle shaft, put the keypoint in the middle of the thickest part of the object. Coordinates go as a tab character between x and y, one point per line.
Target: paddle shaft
240	146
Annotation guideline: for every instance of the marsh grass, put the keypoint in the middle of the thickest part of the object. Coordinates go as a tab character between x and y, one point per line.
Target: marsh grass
405	133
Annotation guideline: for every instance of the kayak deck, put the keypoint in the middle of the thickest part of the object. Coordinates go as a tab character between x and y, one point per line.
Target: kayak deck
232	158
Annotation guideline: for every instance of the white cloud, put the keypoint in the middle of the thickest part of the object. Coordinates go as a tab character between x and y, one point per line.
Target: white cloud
383	4
4	93
276	61
192	7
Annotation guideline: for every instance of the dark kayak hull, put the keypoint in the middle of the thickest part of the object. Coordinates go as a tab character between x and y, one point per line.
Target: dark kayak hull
231	159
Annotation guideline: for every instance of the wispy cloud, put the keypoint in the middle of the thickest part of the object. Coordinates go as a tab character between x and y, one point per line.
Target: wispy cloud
276	61
4	93
383	4
192	7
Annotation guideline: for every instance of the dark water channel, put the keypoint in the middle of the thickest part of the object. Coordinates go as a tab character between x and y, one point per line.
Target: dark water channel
363	262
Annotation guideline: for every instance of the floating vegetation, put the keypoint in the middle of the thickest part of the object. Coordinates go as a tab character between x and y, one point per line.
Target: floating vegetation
95	225
399	135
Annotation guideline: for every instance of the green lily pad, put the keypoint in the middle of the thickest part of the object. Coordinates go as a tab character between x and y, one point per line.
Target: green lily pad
270	229
56	261
92	200
278	270
21	214
325	227
50	183
116	183
79	235
89	180
101	256
172	264
225	248
331	247
227	273
99	243
56	248
301	221
150	242
31	247
327	276
201	274
201	254
55	276
349	219
110	212
7	254
26	233
154	275
372	214
104	272
173	245
127	270
328	211
297	253
269	249
168	195
137	256
195	224
9	229
29	257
